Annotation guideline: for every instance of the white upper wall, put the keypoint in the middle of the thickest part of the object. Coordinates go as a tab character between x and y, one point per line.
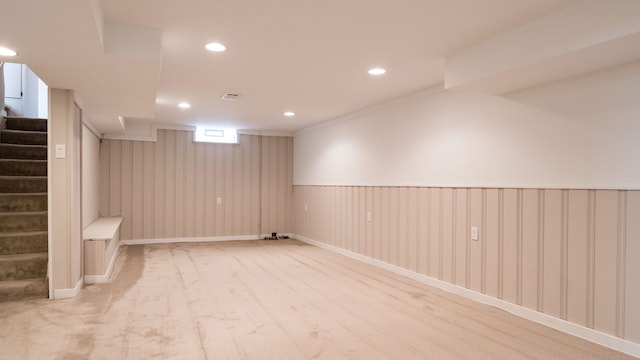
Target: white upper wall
577	133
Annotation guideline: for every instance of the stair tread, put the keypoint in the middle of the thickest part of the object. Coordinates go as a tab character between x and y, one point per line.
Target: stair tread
22	233
24	145
22	177
23	118
26	160
23	257
42	212
24	131
24	194
24	289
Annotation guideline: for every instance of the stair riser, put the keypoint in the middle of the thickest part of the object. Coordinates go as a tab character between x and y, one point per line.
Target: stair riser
20	270
24	138
23	203
23	244
23	152
10	223
32	289
26	124
23	168
17	185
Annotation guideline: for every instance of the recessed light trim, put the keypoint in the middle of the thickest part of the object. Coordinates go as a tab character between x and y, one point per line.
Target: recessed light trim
215	47
377	71
7	52
184	105
289	113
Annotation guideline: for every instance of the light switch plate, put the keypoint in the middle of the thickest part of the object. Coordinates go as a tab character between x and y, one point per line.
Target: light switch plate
219	201
474	233
61	151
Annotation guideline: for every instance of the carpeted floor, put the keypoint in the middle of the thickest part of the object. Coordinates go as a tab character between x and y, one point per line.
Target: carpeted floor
269	300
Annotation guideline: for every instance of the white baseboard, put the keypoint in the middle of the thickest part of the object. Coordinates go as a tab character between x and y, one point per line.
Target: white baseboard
67	293
101	279
190	239
595	336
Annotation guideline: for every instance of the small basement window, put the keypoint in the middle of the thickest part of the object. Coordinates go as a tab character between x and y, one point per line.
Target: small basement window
210	135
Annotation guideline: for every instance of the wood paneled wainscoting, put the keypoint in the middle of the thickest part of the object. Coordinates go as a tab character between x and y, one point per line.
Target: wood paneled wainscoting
570	254
174	189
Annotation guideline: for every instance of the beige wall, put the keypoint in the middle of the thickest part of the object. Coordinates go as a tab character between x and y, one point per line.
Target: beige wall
276	190
571	254
90	176
168	189
65	215
579	133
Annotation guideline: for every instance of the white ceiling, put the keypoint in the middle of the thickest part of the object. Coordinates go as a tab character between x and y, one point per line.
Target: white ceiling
310	57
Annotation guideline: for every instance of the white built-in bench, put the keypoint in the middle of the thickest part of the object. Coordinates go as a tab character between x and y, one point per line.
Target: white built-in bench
101	242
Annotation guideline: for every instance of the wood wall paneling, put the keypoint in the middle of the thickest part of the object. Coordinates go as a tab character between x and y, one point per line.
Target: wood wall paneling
572	254
169	189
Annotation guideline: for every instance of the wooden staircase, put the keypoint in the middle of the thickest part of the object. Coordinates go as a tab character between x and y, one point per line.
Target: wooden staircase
23	209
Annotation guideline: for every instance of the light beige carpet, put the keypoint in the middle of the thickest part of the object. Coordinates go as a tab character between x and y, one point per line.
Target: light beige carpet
269	300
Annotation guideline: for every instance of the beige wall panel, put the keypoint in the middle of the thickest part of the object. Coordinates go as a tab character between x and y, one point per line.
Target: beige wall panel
227	193
159	194
462	236
491	251
385	230
189	186
217	176
210	195
115	177
339	216
394	224
277	183
90	177
376	214
148	188
530	239
169	188
509	253
369	227
577	269
137	188
180	176
201	189
632	268
403	226
552	252
475	247
253	184
435	233
536	243
170	184
423	230
412	229
349	220
105	162
448	254
361	216
606	253
126	183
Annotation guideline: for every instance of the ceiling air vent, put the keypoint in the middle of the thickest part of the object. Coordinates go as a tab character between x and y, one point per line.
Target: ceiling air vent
230	96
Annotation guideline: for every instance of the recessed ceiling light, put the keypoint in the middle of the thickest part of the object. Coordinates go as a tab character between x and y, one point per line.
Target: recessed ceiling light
289	113
7	52
377	71
215	47
184	105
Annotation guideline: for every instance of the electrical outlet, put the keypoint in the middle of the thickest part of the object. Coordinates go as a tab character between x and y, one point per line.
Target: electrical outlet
219	201
369	216
305	207
474	233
